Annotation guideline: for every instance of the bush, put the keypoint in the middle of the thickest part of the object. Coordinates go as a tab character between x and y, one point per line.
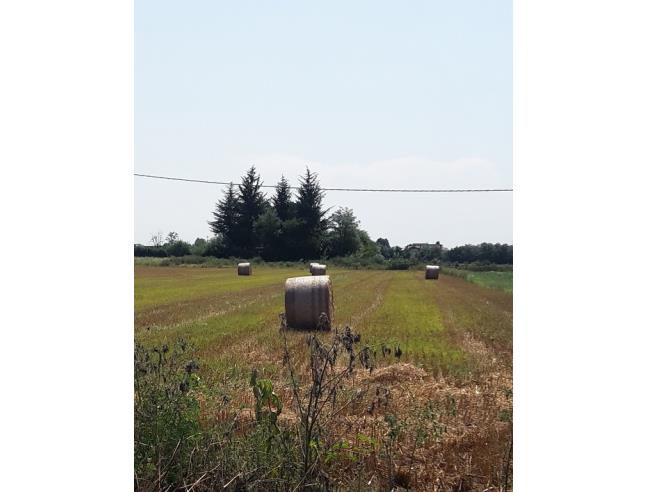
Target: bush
166	412
190	436
215	247
199	247
355	262
398	264
150	251
178	248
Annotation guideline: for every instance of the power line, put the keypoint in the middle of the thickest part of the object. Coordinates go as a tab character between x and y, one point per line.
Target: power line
379	190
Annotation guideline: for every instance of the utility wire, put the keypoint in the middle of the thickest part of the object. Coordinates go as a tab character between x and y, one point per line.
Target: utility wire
380	190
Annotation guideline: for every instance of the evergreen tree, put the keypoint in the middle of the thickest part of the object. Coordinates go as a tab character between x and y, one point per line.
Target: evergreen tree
310	215
268	230
284	245
282	200
225	219
251	204
291	247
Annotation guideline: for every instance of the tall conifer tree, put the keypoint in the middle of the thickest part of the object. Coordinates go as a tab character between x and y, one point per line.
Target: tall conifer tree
226	218
282	200
311	215
251	204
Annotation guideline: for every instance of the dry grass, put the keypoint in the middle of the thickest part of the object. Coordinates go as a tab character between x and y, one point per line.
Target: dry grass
453	381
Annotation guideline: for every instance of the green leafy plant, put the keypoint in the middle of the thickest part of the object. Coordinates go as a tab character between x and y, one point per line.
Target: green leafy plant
268	405
166	412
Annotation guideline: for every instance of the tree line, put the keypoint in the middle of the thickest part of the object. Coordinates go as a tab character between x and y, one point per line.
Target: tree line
501	254
246	223
294	227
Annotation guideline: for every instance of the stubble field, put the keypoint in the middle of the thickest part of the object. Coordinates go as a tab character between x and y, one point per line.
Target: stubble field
456	344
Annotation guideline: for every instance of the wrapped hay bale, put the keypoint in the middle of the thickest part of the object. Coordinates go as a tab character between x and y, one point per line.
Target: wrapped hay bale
311	266
432	272
318	269
244	269
306	298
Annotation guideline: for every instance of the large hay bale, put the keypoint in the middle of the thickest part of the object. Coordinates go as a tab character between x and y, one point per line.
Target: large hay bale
244	269
311	266
318	269
306	298
432	272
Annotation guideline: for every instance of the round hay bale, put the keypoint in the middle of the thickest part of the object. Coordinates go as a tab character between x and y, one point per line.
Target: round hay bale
432	272
306	298
244	269
318	269
311	266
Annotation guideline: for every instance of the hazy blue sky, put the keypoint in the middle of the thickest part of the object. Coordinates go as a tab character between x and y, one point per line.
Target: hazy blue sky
414	94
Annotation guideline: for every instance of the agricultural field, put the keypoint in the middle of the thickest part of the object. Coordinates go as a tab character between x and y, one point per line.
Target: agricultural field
428	408
496	280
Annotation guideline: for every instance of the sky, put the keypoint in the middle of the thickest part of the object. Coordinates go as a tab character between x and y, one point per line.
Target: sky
372	94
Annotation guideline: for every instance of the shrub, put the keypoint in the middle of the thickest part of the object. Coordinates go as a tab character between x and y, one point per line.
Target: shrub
215	247
199	247
150	251
178	248
166	412
398	264
179	444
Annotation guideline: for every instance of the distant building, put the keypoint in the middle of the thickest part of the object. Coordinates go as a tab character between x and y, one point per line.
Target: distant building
416	250
419	246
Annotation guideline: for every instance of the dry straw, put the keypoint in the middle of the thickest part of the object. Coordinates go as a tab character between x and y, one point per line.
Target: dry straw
244	269
432	271
306	298
317	269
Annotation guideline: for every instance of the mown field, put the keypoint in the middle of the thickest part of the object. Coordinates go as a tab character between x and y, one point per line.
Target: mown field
496	280
456	342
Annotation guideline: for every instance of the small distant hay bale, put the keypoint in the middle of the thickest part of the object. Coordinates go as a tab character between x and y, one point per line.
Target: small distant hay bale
432	272
311	266
306	299
318	269
244	269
